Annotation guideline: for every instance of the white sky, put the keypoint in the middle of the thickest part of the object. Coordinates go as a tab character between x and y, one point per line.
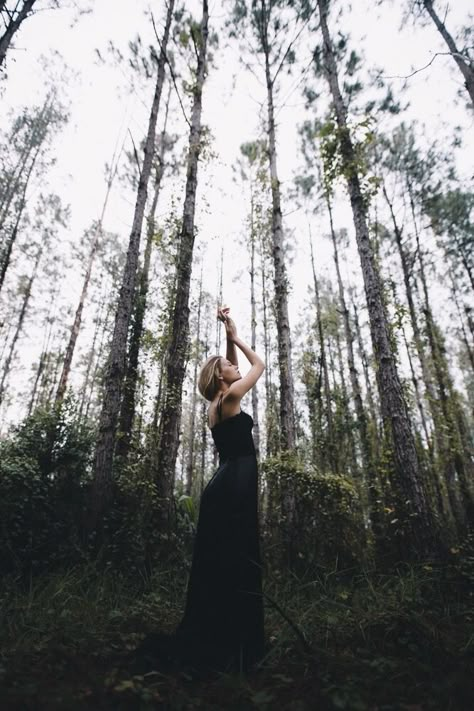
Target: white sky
104	109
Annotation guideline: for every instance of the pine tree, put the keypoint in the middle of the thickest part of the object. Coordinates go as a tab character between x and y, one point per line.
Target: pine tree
116	366
394	409
178	346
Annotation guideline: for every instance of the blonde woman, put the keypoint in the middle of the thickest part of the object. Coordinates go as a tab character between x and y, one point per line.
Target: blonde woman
222	626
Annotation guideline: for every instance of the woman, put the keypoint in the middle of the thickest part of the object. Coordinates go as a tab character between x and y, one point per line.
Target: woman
222	626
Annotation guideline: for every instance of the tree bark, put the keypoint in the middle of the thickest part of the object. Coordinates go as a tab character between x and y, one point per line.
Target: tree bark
253	326
12	27
21	319
366	452
427	379
462	62
458	459
331	448
101	489
190	464
14	233
287	417
394	411
178	346
127	411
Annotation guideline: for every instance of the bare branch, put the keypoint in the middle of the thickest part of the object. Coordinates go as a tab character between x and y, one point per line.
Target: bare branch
422	69
173	78
135	153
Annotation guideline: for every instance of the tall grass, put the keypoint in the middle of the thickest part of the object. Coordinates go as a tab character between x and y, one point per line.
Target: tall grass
348	639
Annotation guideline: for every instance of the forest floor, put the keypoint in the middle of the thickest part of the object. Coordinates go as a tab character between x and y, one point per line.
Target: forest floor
372	642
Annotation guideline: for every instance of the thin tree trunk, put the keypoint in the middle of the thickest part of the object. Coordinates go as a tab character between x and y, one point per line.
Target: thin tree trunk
217	347
353	464
253	327
98	368
287	416
366	451
204	421
331	444
461	60
90	359
465	340
456	456
365	367
12	184
85	286
21	319
103	462
178	346
270	444
12	27
44	351
127	411
450	505
394	410
412	310
190	468
14	233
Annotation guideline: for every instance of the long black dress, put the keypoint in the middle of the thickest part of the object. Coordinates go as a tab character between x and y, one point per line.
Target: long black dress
222	626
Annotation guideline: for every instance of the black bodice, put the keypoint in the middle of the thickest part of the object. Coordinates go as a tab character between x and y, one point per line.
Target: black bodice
233	436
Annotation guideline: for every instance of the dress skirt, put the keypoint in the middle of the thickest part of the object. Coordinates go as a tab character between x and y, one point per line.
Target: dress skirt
222	626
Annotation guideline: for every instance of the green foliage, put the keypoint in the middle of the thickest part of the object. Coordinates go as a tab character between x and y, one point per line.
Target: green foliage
45	477
329	526
399	639
451	215
333	140
43	468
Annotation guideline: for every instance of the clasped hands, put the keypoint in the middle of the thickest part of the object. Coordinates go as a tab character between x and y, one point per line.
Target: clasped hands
230	327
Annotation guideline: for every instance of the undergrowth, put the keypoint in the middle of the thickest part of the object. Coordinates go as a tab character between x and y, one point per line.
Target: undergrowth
357	640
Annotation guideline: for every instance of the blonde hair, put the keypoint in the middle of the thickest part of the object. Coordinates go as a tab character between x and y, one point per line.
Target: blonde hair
208	383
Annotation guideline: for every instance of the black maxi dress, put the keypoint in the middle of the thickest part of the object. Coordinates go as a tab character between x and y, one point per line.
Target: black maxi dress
222	626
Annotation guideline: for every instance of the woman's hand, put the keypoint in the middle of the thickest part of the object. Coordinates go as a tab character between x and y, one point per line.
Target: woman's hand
230	327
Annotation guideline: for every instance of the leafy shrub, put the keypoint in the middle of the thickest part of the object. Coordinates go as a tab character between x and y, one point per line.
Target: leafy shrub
43	467
329	528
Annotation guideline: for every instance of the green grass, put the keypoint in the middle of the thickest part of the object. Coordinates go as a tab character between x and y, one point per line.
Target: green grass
352	640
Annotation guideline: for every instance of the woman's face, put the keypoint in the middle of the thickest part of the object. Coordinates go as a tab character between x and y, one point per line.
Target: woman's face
229	372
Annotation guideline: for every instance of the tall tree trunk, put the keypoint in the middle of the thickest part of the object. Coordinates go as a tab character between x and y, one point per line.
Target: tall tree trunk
271	437
116	366
127	410
91	356
353	464
417	336
13	180
204	420
47	330
365	367
21	319
461	60
98	367
253	327
394	411
13	26
178	346
85	286
217	347
190	464
365	448
331	455
457	456
14	233
465	340
287	416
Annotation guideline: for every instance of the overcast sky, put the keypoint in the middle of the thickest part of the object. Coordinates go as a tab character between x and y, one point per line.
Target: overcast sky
105	109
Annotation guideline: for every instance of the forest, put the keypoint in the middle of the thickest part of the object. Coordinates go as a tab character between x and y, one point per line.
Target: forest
307	164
